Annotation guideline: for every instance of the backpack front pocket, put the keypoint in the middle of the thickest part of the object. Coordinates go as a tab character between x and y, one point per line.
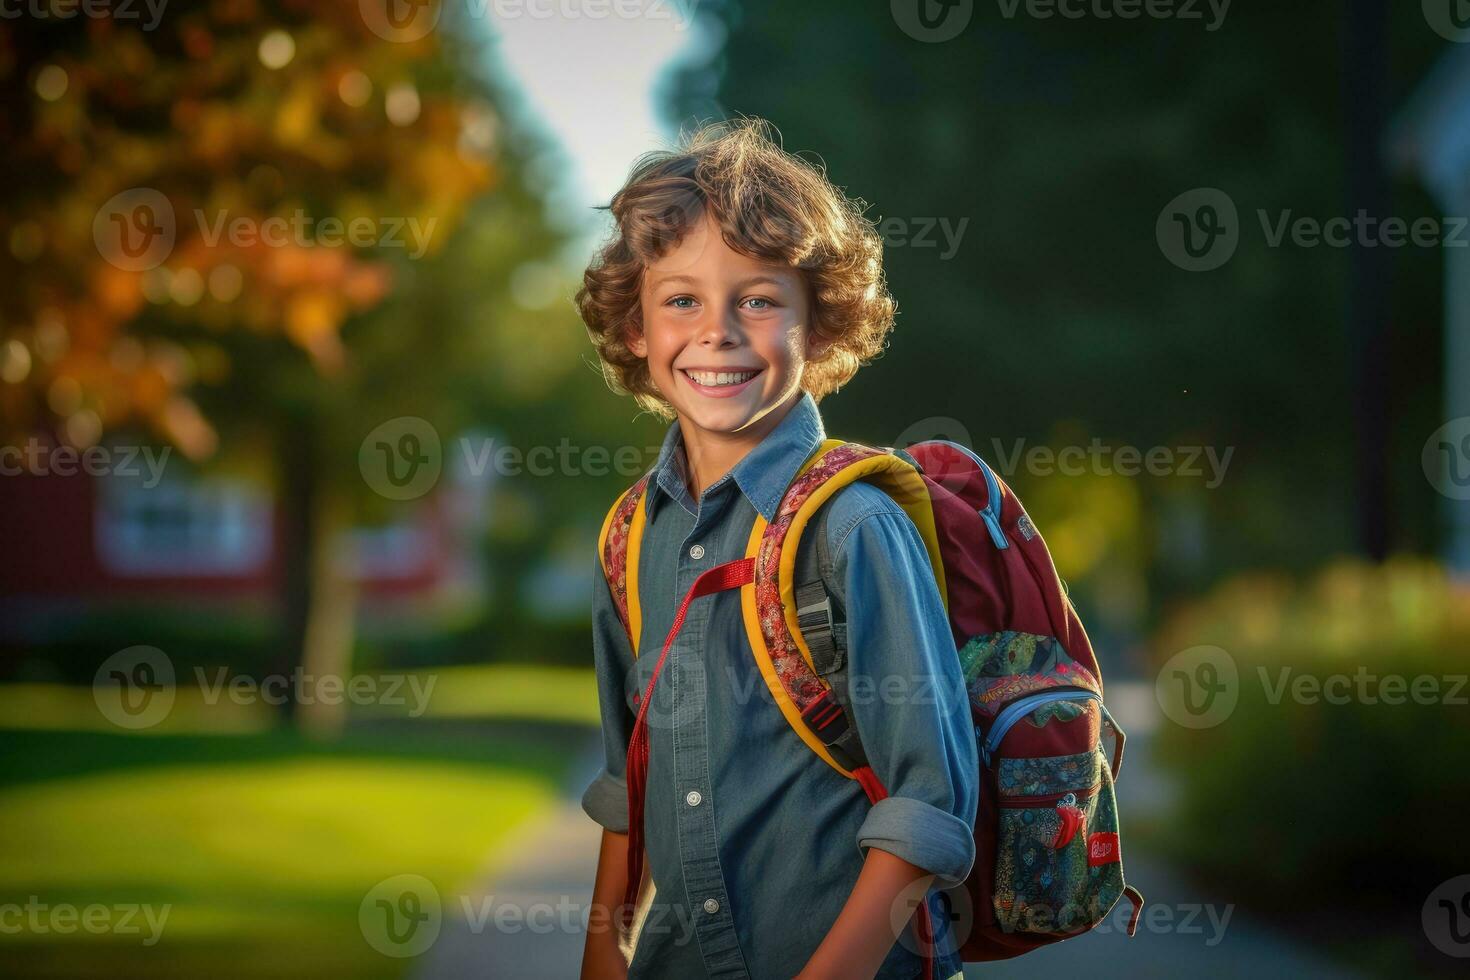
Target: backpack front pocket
1058	870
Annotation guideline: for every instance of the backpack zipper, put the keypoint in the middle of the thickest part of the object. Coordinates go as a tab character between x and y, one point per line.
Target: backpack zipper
1061	799
1020	707
993	499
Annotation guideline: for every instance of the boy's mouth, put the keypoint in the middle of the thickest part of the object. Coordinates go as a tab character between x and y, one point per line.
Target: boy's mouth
719	384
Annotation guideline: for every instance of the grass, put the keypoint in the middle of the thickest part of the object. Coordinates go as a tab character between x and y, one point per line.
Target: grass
261	847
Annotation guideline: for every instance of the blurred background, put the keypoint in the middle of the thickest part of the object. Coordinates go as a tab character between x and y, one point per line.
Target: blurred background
305	449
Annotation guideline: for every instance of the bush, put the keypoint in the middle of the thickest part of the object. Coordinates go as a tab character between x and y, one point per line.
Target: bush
1348	801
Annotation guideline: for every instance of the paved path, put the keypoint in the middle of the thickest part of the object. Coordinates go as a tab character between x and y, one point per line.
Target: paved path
551	867
1183	932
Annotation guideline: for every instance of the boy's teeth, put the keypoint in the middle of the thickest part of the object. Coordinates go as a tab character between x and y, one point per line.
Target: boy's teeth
713	379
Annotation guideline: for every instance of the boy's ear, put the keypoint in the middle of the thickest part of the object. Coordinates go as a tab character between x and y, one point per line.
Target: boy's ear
816	345
637	343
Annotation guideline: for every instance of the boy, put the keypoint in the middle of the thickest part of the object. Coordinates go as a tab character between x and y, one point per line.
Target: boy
741	287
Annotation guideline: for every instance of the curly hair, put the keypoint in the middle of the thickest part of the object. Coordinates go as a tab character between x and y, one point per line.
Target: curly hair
770	205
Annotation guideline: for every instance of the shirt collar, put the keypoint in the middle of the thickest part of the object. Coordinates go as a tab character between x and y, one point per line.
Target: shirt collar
762	475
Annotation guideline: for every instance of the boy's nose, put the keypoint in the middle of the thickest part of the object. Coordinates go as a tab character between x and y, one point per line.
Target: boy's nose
720	330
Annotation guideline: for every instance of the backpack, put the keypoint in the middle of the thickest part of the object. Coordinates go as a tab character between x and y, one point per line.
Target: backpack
1048	861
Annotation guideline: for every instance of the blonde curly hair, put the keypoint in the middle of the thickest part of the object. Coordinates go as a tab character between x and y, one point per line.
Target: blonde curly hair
770	205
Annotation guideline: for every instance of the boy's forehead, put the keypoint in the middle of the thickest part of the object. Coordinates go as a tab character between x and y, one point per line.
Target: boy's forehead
703	254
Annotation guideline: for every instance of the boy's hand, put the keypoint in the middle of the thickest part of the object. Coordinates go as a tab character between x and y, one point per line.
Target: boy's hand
602	955
860	939
602	959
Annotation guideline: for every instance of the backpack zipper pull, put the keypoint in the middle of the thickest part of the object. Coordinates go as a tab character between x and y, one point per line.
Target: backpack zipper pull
1071	821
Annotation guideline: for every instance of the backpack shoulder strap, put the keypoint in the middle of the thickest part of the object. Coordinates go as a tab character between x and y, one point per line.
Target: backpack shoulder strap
822	620
770	603
618	546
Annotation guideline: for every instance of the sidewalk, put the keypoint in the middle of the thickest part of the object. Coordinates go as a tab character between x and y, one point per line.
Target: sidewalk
554	862
1182	932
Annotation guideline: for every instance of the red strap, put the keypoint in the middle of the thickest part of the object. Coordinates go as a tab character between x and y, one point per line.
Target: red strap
730	575
924	927
1136	897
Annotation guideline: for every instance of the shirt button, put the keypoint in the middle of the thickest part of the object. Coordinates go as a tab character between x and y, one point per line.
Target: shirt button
711	906
696	552
693	798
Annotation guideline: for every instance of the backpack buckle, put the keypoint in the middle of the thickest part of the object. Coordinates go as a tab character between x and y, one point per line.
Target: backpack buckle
826	639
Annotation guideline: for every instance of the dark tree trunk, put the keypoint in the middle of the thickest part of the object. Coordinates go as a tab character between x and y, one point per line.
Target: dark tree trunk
1364	89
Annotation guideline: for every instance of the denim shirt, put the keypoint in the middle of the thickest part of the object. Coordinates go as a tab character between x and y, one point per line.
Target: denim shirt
754	843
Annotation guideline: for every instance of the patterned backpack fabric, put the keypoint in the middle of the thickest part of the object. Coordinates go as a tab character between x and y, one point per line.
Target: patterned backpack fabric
1048	862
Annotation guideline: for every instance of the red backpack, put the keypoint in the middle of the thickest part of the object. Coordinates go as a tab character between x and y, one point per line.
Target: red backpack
1048	864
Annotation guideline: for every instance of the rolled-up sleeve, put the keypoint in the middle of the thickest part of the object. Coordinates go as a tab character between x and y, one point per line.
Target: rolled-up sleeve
907	697
606	798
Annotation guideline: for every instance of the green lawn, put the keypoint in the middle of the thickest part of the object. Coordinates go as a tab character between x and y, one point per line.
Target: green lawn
260	848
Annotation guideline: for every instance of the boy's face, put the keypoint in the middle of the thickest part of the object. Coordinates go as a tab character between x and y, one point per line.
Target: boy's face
708	308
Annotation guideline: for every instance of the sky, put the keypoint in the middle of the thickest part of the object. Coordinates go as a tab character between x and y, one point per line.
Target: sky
590	81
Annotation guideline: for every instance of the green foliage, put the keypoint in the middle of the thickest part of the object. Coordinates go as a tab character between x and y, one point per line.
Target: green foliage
1312	787
1060	141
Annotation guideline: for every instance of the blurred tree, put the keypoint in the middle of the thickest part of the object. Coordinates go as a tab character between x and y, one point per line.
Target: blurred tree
218	228
1053	145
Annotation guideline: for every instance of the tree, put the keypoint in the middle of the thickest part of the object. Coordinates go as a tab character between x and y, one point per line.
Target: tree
217	228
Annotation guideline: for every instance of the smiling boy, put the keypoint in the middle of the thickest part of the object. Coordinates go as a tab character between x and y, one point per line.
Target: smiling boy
739	288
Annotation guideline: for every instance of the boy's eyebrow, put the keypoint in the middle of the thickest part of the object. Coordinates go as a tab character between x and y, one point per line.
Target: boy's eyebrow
742	284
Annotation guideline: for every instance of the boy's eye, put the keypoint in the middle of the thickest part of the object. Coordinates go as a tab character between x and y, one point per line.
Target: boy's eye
759	303
682	302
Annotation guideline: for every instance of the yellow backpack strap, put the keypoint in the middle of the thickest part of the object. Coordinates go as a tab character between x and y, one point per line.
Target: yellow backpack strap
618	547
769	603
